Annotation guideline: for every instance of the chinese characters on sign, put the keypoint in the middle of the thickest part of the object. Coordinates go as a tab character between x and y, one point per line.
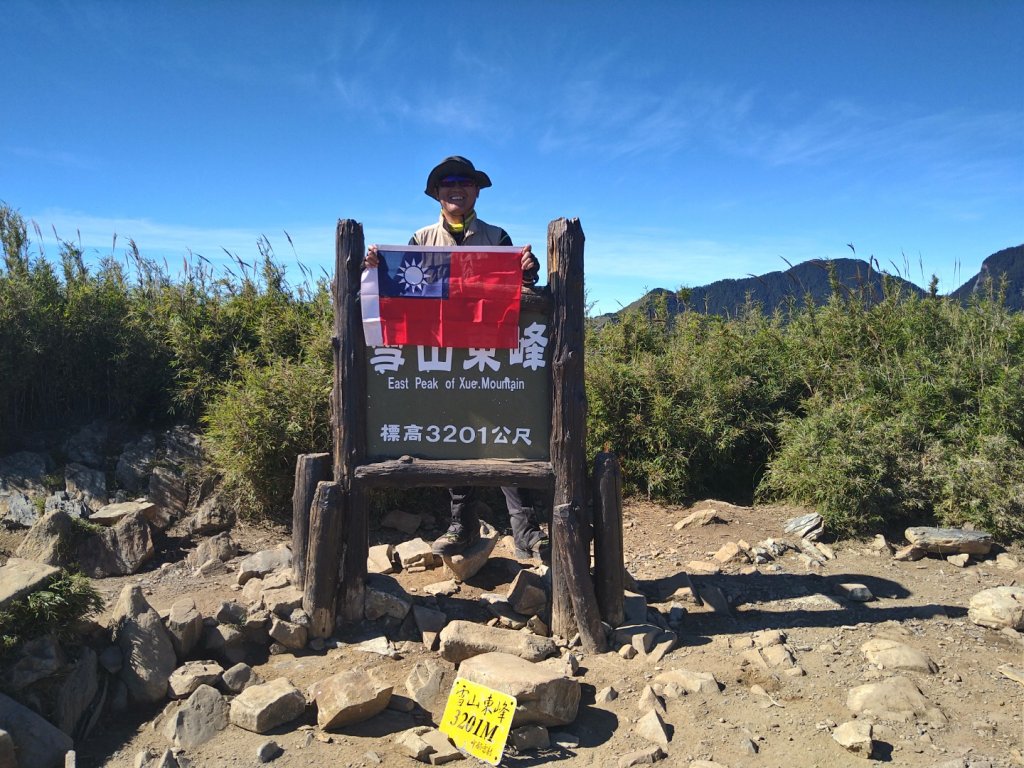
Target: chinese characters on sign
444	403
478	719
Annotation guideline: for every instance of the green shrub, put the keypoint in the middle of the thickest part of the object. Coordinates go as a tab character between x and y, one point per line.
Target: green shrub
68	599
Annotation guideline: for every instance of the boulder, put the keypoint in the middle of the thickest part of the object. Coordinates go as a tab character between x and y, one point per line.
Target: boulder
856	737
543	697
891	654
853	591
167	490
429	684
239	677
37	743
700	517
380	559
111	514
33	661
134	463
187	678
998	607
49	540
63	501
348	697
810	526
23	471
468	563
694	682
220	547
950	541
528	593
894	699
291	636
430	623
88	445
117	551
415	554
73	692
261	708
385	598
198	720
145	644
19	578
461	640
642	757
212	516
89	485
266	561
281	601
401	521
652	727
184	626
17	510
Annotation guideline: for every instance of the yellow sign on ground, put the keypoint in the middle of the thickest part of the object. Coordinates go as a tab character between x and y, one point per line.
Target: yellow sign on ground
477	719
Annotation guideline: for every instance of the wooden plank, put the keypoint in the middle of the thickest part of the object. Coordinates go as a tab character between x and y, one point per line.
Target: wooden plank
410	472
574	604
321	587
310	469
609	564
348	417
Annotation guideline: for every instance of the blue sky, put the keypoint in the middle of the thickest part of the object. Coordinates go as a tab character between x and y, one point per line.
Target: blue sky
694	140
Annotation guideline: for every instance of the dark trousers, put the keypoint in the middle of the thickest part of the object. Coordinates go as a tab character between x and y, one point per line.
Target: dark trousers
523	506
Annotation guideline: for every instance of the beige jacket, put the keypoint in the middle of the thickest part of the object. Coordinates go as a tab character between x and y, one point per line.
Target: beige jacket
477	233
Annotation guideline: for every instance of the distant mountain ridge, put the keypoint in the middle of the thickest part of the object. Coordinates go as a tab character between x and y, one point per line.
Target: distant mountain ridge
811	279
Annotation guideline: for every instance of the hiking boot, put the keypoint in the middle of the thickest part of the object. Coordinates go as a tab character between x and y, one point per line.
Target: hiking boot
539	550
458	538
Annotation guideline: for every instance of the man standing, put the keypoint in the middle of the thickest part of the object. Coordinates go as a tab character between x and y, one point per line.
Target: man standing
455	183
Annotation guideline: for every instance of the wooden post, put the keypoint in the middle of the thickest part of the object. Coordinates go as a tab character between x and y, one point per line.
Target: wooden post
574	604
609	574
310	469
348	419
322	560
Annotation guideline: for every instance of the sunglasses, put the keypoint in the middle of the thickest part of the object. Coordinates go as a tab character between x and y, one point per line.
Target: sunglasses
456	181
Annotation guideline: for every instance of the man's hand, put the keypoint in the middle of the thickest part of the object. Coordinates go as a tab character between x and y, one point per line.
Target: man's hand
529	260
372	259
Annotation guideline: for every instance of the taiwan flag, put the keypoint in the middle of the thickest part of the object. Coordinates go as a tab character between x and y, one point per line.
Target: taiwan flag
443	297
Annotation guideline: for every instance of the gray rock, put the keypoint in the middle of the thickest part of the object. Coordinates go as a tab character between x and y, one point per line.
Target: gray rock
461	640
528	593
281	601
198	720
909	554
443	751
35	660
111	659
543	697
381	598
89	485
652	728
111	514
187	678
635	608
220	547
640	636
88	445
502	611
167	490
530	737
428	684
855	736
17	510
266	561
268	751
145	644
38	743
348	697
856	592
74	691
606	695
134	463
61	500
950	541
19	578
642	757
998	607
49	540
224	641
23	471
894	699
291	636
239	677
810	526
688	680
212	516
117	551
891	654
430	623
380	559
260	708
230	612
469	562
184	626
415	554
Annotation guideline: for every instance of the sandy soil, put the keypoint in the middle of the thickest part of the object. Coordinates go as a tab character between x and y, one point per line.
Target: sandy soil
923	604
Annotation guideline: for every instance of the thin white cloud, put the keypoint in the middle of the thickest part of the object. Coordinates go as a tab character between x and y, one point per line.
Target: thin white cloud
54	157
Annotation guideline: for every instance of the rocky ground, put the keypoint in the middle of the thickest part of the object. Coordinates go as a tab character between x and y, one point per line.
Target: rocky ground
788	646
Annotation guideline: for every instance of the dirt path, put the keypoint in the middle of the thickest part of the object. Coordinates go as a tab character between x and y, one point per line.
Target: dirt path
772	716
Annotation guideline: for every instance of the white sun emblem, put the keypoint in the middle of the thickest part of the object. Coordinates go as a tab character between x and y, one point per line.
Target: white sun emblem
412	275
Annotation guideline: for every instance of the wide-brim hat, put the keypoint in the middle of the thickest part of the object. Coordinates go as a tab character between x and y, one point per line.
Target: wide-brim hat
454	166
